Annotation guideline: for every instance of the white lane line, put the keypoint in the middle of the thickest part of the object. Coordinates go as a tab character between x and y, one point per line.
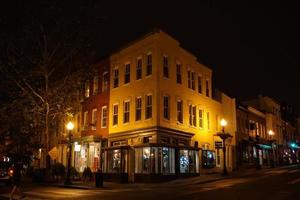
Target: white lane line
294	181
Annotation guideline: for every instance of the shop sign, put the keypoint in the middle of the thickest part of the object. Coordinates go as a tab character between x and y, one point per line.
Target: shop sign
218	144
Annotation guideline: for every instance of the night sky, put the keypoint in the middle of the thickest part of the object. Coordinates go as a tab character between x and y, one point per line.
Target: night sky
252	48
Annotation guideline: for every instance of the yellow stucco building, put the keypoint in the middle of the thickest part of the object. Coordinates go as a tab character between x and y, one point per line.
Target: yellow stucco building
162	117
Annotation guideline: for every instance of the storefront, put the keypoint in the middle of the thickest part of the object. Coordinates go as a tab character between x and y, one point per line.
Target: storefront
151	162
86	153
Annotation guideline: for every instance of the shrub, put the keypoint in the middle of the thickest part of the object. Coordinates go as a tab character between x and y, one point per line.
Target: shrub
87	173
74	173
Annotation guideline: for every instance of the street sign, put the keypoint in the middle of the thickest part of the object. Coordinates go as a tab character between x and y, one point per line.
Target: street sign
218	144
53	153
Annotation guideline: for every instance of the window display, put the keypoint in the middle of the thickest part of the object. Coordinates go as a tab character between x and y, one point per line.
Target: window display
155	160
208	159
188	160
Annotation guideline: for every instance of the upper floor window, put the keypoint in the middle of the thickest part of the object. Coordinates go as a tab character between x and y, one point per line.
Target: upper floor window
193	80
95	85
189	79
127	73
199	84
166	107
207	88
116	78
201	118
139	66
94	118
104	117
192	115
87	89
166	67
149	65
85	120
208	120
115	114
178	73
148	106
179	111
138	108
104	81
126	111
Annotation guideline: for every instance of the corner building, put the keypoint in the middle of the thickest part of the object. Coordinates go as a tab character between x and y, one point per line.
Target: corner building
162	117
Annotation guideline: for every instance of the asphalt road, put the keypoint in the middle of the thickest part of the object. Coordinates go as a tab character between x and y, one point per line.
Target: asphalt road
279	183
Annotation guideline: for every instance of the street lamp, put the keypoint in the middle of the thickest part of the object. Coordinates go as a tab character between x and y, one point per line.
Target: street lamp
70	127
223	135
271	133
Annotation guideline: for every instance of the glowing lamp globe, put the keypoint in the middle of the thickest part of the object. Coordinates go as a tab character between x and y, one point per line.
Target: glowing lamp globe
70	126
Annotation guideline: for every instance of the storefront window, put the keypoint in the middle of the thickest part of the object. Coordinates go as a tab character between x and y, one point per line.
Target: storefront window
184	161
208	159
156	160
115	161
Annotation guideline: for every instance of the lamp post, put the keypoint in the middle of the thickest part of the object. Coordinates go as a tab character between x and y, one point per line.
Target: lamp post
271	133
70	127
224	136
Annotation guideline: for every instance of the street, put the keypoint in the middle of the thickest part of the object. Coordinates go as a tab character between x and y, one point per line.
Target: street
278	183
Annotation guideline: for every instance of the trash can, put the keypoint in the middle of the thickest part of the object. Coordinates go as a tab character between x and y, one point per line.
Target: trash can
99	178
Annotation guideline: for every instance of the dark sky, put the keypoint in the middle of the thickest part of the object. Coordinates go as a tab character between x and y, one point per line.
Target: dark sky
252	48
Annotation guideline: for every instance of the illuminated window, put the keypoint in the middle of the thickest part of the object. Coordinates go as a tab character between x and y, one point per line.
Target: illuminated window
87	89
149	65
207	88
138	109
104	117
166	67
148	107
94	118
127	73
139	65
179	111
126	112
178	73
199	84
201	118
104	81
115	114
116	78
208	120
85	120
95	85
166	107
192	115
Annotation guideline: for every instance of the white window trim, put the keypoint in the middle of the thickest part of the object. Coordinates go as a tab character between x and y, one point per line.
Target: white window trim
103	107
139	97
113	114
94	119
126	101
125	64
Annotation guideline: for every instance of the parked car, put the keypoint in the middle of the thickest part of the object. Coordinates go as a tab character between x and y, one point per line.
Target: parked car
6	172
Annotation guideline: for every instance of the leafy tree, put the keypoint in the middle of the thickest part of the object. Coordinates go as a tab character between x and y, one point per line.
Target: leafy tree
46	54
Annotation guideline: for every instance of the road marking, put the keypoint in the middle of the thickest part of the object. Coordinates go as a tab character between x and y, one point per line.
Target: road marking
294	181
294	171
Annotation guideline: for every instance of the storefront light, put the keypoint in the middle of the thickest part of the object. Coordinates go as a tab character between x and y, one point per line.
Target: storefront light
77	147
